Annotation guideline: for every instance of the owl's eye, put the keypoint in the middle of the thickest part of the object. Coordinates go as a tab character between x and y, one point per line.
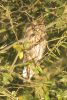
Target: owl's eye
32	35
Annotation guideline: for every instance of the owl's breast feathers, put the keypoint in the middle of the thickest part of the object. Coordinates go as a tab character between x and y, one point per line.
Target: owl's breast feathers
36	52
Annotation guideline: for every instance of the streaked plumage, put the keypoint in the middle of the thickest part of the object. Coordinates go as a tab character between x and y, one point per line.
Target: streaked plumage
35	34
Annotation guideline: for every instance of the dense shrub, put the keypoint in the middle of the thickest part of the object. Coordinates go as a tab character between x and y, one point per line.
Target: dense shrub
50	82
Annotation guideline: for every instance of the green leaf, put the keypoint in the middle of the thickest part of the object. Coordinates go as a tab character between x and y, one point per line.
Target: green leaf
39	69
47	96
27	45
36	70
59	96
65	95
39	92
7	78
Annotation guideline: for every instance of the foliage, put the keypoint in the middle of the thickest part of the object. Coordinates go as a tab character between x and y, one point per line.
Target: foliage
50	81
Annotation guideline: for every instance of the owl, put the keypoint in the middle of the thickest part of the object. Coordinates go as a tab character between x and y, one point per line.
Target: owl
36	36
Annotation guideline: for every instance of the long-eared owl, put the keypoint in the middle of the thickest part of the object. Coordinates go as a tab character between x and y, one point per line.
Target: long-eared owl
36	37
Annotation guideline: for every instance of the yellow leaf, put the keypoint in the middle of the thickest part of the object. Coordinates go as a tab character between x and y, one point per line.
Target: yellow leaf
18	47
20	98
20	55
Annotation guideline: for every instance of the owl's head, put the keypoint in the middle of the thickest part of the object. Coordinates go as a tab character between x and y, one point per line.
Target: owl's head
35	31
